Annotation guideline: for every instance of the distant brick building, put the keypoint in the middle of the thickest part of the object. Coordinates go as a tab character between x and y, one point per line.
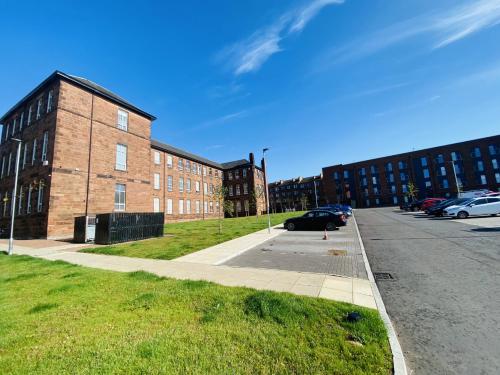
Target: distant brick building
384	181
85	150
299	193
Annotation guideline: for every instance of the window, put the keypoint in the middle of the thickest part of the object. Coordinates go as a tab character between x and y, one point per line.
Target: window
122	120
445	184
245	188
120	197
181	184
346	174
426	173
169	183
388	167
7	131
440	159
121	157
197	207
204	171
483	179
156	204
157	158
205	207
9	166
188	185
211	188
237	174
497	178
393	189
456	156
230	175
45	145
30	114
39	108
362	172
423	161
156	181
246	204
197	186
443	171
188	166
21	121
33	153
336	175
238	189
377	201
180	165
479	202
476	152
14	123
373	169
193	168
211	205
50	98
25	156
169	161
401	165
374	180
188	207
169	206
3	167
205	188
391	177
480	166
39	204
428	184
404	188
20	204
181	206
375	190
244	173
494	162
199	169
395	200
231	190
493	149
238	206
28	200
367	202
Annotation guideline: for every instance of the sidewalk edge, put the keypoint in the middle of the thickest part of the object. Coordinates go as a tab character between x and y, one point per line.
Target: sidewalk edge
398	358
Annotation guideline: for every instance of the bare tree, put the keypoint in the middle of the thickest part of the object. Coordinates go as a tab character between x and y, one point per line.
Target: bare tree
255	196
220	194
412	191
304	201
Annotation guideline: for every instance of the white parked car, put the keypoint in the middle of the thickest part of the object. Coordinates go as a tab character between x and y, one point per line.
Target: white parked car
475	207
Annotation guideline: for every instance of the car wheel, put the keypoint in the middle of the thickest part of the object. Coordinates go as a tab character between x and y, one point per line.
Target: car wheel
462	215
290	226
330	226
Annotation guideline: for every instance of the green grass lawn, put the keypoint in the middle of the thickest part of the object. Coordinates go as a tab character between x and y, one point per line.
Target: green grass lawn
58	318
188	237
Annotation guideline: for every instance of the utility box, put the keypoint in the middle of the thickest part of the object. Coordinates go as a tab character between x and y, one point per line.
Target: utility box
123	226
84	230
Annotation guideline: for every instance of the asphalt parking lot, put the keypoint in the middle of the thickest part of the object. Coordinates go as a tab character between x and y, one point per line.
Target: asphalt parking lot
443	297
306	251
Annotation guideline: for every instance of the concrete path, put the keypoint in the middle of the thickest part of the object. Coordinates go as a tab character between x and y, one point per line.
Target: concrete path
306	251
444	295
205	265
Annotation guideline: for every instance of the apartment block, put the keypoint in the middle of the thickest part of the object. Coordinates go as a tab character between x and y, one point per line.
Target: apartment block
300	193
435	172
84	151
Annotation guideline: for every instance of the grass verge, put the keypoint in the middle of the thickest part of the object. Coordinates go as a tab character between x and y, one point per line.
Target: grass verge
187	237
57	318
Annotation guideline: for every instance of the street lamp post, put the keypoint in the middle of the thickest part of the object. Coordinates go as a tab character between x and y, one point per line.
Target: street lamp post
315	192
267	190
456	179
13	208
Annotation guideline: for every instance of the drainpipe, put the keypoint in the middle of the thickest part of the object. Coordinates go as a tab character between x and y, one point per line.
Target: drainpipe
88	166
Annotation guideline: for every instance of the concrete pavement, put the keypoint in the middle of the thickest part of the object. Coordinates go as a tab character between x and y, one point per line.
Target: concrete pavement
443	298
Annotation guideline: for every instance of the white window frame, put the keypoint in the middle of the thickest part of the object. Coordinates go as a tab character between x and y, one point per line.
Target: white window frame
169	206
156	181
170	161
39	201
197	186
205	188
157	158
20	203
181	184
28	200
188	206
50	98
25	154
170	183
156	204
205	207
197	207
121	204
45	145
121	157
30	114
188	185
181	206
39	109
33	154
122	119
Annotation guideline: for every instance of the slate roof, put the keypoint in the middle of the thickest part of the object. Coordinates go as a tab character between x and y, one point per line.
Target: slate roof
85	84
185	154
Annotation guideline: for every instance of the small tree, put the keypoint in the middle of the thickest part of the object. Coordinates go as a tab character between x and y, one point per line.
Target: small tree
255	196
412	191
304	201
220	194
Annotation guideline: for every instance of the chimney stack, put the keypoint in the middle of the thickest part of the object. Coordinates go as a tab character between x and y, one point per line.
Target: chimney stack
252	159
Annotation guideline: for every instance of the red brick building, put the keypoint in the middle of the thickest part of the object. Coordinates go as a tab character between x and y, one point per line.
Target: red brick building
300	193
85	150
384	181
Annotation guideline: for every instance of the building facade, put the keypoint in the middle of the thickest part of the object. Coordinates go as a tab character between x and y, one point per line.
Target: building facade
84	151
384	181
301	193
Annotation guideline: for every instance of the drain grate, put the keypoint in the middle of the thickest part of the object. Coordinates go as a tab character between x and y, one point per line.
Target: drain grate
383	276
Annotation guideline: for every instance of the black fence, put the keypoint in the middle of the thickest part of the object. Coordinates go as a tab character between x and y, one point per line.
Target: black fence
122	227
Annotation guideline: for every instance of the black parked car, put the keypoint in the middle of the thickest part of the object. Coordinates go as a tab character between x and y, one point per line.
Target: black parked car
415	205
438	209
340	220
313	220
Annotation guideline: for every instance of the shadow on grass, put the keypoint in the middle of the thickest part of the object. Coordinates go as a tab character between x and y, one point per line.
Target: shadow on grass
43	307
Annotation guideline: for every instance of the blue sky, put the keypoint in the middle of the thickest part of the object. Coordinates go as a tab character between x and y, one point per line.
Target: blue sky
320	82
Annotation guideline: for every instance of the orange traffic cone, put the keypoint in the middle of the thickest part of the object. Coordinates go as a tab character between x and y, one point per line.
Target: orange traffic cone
325	237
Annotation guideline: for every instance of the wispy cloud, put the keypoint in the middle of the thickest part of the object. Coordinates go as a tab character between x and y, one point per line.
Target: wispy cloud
251	53
213	147
223	119
443	28
380	89
419	104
